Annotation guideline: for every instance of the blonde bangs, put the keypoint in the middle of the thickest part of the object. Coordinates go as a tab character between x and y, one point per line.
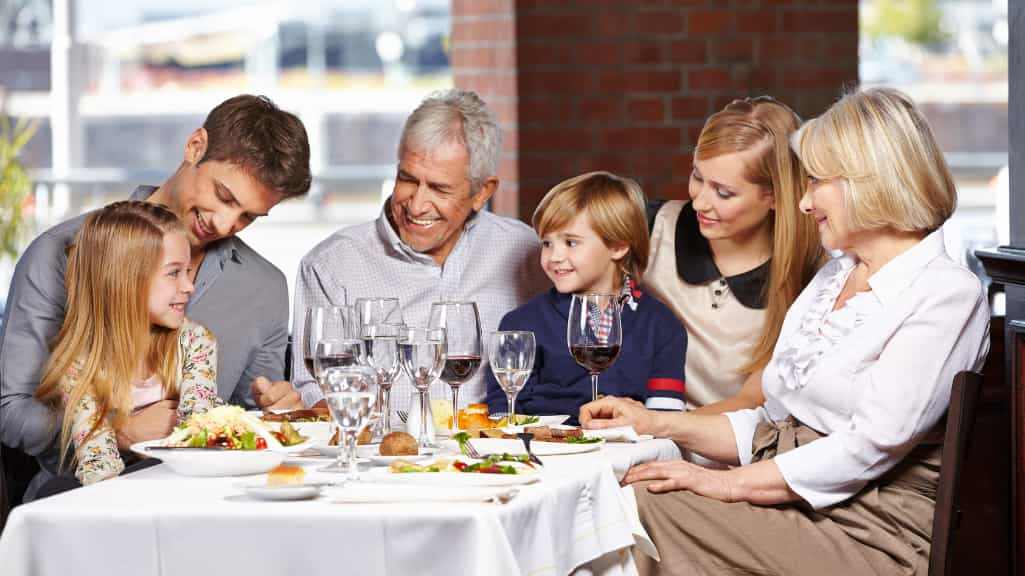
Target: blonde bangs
813	144
615	206
880	145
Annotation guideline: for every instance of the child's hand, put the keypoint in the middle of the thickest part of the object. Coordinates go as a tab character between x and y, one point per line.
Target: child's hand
151	423
275	395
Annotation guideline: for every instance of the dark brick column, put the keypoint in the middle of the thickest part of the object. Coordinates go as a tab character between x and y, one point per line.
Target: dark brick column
625	85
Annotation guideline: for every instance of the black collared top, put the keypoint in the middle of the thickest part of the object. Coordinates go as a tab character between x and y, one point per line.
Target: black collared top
695	265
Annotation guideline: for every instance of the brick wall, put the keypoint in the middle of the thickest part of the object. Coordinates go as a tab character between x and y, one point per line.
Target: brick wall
625	85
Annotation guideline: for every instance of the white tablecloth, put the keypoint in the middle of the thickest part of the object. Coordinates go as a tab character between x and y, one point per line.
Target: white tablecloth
156	522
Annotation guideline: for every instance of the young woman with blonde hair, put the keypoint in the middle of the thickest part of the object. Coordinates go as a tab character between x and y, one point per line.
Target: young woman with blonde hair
125	342
594	238
733	258
837	472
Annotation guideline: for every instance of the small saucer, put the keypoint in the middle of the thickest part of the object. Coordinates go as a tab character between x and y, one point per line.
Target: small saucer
263	491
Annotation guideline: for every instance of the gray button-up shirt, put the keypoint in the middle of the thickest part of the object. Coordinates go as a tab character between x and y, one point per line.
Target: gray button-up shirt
495	263
239	296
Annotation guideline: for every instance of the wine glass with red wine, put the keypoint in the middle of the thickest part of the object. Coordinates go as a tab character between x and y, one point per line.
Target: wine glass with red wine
594	332
461	322
325	323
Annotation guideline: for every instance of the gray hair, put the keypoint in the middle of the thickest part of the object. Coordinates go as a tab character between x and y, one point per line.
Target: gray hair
456	116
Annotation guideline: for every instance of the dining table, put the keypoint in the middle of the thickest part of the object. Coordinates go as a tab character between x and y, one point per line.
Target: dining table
576	519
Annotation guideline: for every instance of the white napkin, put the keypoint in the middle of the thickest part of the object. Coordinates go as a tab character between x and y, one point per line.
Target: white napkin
618	434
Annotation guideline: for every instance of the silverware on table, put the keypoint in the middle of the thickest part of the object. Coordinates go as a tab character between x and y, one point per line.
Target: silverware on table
471	451
402	414
526	437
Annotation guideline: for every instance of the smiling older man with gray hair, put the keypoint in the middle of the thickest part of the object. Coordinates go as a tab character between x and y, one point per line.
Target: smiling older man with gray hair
433	240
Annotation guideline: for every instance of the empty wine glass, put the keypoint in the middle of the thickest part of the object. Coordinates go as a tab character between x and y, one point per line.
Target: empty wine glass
422	353
381	356
351	392
461	322
511	354
377	310
594	333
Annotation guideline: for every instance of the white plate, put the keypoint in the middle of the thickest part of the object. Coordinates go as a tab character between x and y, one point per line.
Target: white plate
280	492
451	478
203	462
541	421
515	446
370	452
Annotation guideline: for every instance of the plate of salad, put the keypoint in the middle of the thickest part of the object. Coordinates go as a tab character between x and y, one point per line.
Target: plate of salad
498	470
225	441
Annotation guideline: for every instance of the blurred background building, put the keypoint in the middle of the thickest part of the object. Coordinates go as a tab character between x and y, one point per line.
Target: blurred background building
115	86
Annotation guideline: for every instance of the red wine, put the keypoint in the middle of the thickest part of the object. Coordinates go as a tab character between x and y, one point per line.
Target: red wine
594	359
308	361
459	369
336	360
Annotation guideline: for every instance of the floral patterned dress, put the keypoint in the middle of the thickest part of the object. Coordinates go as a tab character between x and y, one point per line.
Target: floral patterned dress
97	457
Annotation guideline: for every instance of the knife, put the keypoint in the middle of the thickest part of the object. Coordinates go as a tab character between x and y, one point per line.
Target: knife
527	437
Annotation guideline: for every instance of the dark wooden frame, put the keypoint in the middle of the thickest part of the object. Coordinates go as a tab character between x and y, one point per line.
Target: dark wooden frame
957	445
1006	265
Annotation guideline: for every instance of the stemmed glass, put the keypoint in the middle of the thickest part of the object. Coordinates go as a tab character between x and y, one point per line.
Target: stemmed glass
377	310
381	356
324	323
335	353
422	353
511	354
351	392
461	322
594	332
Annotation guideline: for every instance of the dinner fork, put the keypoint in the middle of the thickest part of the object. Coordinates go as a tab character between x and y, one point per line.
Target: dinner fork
402	414
471	451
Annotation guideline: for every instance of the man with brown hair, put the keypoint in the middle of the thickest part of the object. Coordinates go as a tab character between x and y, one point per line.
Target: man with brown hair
248	156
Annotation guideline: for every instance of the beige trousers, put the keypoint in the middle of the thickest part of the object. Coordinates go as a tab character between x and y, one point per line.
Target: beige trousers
885	529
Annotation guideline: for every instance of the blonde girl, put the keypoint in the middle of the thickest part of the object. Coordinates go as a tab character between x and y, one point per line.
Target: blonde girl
594	238
732	259
125	342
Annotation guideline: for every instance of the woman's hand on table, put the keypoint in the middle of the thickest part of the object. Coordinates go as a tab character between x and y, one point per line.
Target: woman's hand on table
275	395
612	411
682	475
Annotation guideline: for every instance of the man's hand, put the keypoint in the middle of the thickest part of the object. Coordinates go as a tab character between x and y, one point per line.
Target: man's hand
151	423
275	395
610	412
682	475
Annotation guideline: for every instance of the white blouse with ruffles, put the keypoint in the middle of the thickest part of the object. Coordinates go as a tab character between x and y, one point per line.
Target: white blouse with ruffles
875	375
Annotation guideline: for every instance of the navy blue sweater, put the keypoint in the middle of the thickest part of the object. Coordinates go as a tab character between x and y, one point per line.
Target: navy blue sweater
650	366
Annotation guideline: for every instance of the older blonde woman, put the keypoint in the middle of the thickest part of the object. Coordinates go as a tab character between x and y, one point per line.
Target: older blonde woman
836	473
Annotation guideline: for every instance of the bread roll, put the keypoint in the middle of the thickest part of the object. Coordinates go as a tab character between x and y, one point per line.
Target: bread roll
285	474
399	444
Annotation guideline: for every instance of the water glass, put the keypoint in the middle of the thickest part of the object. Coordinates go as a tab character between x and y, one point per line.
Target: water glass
377	310
422	353
511	354
381	356
351	393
